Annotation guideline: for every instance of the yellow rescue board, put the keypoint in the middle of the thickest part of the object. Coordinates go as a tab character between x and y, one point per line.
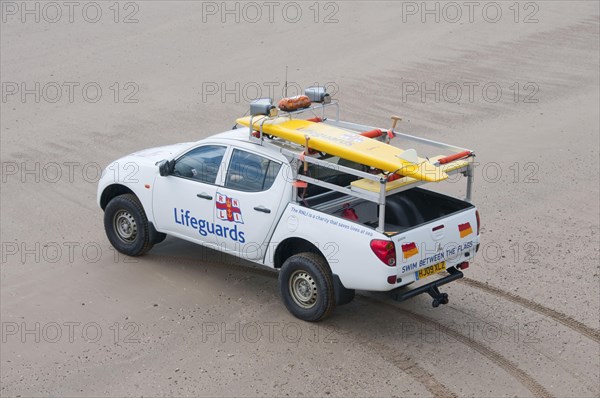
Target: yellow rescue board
348	145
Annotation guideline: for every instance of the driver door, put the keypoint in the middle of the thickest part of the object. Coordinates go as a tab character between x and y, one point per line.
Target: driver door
184	202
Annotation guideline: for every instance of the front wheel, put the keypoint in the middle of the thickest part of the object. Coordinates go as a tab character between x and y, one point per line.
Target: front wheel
126	225
306	287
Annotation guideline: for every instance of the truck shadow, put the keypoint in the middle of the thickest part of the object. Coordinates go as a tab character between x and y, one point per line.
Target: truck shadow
236	275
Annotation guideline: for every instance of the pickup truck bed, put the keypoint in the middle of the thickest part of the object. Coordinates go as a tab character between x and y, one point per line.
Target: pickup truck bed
417	206
404	210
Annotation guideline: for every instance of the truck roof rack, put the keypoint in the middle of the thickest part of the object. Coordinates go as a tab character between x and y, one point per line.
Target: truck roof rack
372	187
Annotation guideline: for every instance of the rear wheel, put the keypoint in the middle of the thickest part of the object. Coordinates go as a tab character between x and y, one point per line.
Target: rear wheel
306	287
126	225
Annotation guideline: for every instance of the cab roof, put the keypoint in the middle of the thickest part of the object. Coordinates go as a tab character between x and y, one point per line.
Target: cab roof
240	136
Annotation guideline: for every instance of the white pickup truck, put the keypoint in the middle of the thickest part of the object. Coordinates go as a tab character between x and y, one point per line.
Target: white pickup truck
329	225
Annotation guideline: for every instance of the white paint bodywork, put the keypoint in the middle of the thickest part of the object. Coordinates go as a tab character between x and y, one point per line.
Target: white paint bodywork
344	243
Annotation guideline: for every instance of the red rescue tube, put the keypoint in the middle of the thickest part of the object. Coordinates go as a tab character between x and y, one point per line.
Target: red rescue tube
394	177
455	156
350	214
315	119
372	134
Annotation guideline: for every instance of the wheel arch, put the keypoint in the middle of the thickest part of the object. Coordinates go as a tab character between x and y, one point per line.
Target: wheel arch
111	192
292	246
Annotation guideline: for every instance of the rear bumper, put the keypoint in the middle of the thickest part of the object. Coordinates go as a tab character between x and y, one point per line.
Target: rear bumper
431	288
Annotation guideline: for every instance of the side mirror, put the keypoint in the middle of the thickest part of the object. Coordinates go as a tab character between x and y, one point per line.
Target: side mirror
165	167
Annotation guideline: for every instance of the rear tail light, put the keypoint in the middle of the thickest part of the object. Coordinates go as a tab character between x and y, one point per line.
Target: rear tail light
463	265
478	221
385	250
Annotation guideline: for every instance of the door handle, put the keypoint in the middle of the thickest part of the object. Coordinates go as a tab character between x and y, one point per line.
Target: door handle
204	195
263	209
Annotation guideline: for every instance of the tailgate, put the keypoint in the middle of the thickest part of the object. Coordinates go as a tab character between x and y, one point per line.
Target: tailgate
436	245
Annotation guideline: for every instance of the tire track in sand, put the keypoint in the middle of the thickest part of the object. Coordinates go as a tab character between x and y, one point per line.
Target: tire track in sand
414	370
408	365
510	367
564	319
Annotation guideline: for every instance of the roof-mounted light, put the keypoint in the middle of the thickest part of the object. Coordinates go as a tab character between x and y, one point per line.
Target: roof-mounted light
263	106
317	94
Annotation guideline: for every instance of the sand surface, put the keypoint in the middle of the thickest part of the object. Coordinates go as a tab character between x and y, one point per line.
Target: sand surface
78	319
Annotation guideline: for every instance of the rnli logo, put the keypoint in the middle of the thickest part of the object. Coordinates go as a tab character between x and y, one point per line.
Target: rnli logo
228	209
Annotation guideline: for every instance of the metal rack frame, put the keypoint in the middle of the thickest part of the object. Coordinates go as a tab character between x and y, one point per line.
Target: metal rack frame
298	154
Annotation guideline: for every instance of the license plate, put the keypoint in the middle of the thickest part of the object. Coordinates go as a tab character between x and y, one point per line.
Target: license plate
431	270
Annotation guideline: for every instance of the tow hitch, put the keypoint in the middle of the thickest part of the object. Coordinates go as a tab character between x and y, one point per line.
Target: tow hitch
430	288
438	297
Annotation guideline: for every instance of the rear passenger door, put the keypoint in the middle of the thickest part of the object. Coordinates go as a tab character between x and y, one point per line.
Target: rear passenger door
247	206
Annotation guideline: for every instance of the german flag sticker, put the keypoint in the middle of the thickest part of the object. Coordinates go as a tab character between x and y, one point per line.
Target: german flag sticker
465	229
409	250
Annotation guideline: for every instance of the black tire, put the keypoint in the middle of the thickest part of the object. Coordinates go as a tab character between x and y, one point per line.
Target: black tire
126	225
307	271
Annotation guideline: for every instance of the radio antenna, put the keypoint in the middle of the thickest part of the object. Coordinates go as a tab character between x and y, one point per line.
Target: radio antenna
286	81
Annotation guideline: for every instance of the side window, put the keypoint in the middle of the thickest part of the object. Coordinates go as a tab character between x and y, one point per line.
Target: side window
201	163
251	173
